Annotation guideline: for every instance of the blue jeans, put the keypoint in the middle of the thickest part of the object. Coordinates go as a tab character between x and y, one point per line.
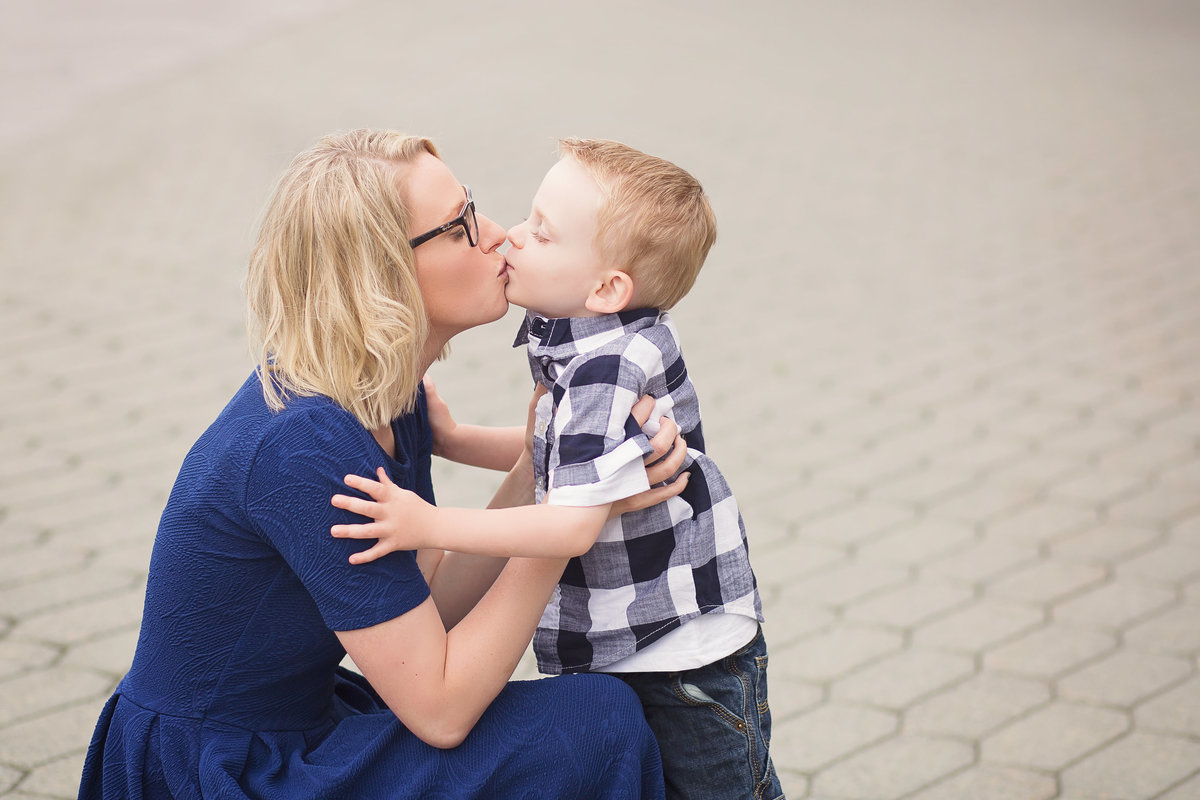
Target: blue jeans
713	726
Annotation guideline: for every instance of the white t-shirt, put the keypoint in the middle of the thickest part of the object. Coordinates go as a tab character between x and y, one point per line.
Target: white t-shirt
696	643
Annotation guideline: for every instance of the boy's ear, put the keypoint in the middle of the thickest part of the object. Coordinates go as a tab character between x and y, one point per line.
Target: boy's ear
612	294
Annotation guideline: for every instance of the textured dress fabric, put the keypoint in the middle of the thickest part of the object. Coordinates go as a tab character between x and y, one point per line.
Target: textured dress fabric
236	690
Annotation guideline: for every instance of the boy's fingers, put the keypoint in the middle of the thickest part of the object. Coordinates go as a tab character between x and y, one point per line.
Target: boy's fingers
355	505
384	478
360	483
377	550
367	531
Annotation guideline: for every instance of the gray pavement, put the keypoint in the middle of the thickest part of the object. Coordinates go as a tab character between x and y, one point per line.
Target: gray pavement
948	343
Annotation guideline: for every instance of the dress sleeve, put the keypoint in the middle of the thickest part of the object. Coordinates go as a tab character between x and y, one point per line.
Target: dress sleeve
597	448
300	465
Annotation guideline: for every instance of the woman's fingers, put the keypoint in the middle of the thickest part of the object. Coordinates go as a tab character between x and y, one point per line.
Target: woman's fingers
642	410
664	440
665	468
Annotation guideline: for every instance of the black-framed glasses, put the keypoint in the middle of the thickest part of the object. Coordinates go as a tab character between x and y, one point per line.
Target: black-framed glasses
466	218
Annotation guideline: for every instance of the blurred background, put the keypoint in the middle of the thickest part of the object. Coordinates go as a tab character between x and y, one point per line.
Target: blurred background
946	344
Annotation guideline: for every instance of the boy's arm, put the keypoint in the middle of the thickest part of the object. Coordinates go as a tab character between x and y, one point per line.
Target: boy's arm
403	521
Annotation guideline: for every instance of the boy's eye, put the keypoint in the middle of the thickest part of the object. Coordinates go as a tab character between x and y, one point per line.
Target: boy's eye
457	233
537	237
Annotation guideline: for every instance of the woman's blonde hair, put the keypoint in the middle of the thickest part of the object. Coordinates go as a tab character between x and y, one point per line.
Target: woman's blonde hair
334	306
656	222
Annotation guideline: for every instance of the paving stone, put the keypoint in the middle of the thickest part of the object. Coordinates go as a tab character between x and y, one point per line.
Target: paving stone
918	543
791	502
909	605
1105	543
51	735
8	778
1188	790
982	503
825	656
918	486
827	733
75	623
978	626
1052	737
1046	581
1101	487
1174	631
992	782
1090	440
983	560
33	692
976	706
111	653
1050	651
893	768
855	524
1159	504
1042	523
1114	605
841	584
1169	562
1123	678
867	468
1176	711
57	778
797	557
74	585
41	560
19	656
1138	766
898	680
981	453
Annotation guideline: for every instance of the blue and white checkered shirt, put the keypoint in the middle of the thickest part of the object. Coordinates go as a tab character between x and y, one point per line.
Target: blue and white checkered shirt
650	571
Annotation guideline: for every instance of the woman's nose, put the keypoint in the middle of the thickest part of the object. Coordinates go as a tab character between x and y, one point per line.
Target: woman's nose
491	234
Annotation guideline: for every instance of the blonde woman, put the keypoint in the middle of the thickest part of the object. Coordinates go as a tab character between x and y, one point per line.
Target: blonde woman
371	257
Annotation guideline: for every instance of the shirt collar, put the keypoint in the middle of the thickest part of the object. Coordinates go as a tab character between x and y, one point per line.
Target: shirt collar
566	337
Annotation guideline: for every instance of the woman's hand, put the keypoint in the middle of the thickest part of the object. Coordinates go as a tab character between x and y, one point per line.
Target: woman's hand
538	391
661	465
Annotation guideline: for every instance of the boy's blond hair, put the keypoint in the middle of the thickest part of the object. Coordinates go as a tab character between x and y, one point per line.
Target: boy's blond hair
656	222
334	306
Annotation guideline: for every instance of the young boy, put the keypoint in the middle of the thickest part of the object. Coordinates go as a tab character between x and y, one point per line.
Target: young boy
664	597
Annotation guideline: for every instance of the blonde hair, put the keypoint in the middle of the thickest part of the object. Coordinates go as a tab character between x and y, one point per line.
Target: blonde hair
656	222
334	306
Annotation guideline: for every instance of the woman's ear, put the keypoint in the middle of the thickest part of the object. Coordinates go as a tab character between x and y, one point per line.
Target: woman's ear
612	294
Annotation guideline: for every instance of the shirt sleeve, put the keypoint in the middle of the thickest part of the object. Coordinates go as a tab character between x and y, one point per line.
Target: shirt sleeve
298	469
597	449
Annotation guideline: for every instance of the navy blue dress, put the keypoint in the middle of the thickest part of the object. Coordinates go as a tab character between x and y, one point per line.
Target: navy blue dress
236	689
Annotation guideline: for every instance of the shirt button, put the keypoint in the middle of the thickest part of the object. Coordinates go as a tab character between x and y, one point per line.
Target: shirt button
537	326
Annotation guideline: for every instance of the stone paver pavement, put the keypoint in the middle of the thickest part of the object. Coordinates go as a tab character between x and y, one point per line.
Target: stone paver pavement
948	342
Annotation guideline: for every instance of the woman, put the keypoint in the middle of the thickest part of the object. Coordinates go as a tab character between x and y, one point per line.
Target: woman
370	259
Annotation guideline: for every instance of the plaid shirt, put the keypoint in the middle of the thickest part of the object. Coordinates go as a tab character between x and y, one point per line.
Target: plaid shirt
650	571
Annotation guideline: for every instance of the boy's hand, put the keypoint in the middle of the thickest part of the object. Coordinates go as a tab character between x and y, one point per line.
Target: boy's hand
440	420
402	518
